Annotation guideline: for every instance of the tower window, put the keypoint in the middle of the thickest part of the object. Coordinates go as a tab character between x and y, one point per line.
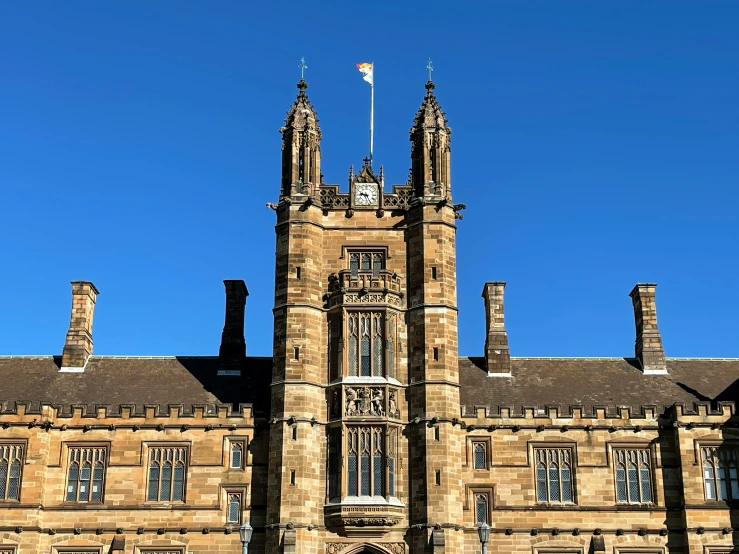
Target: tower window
433	273
438	477
297	273
366	262
436	354
366	348
85	474
296	353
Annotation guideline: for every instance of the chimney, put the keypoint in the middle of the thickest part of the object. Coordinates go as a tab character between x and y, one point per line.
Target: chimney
497	355
78	346
648	347
233	346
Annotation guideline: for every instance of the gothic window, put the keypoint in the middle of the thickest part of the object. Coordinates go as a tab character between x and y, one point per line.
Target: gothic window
85	474
334	464
390	341
720	478
479	455
11	458
633	475
233	508
391	445
366	262
237	455
481	508
371	459
553	474
366	350
167	474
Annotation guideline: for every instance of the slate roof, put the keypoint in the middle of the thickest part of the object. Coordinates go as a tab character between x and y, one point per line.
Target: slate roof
589	382
113	381
536	382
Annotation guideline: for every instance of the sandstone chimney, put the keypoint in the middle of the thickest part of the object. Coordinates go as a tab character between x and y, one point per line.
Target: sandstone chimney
648	347
78	346
497	355
232	353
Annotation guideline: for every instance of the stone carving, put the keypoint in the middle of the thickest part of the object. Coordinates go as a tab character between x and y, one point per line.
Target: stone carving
392	404
392	547
370	520
377	402
351	401
335	404
365	401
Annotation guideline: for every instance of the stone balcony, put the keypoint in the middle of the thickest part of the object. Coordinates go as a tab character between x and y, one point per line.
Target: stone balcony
365	517
361	288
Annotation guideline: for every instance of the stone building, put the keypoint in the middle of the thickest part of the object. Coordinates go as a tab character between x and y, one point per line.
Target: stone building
366	431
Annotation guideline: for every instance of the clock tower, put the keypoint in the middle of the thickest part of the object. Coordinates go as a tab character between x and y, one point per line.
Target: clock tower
364	376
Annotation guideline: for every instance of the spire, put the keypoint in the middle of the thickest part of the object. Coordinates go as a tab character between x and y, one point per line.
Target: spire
301	150
430	137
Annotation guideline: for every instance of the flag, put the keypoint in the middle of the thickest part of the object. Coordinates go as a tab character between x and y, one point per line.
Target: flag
366	70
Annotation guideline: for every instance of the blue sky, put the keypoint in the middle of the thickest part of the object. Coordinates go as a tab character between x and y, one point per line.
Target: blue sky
595	145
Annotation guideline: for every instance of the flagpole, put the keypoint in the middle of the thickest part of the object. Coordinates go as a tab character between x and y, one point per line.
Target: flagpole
372	112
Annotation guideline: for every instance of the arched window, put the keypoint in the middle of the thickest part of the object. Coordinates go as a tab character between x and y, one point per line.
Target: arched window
167	472
97	482
73	477
11	456
553	474
85	478
234	508
86	474
236	455
621	495
709	480
479	455
481	508
3	477
153	481
166	482
633	475
178	488
14	480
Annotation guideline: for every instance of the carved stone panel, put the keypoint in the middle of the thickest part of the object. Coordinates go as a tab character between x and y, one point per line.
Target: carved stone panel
364	401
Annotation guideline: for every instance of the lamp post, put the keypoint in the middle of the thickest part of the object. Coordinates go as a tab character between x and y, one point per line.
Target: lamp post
245	532
484	532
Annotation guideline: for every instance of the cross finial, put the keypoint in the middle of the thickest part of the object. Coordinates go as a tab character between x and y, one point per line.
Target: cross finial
430	67
302	68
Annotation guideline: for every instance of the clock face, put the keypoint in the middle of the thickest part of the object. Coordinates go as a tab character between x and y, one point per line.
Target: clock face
365	194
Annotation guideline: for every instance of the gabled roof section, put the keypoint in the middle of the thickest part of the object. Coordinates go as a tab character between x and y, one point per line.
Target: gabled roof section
430	114
302	115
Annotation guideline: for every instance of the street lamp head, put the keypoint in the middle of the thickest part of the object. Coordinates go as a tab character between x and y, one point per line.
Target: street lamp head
245	532
484	532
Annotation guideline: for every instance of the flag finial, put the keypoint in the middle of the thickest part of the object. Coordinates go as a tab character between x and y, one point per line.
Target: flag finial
302	68
430	68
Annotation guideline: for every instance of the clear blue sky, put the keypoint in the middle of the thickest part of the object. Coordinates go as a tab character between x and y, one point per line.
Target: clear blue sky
596	144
